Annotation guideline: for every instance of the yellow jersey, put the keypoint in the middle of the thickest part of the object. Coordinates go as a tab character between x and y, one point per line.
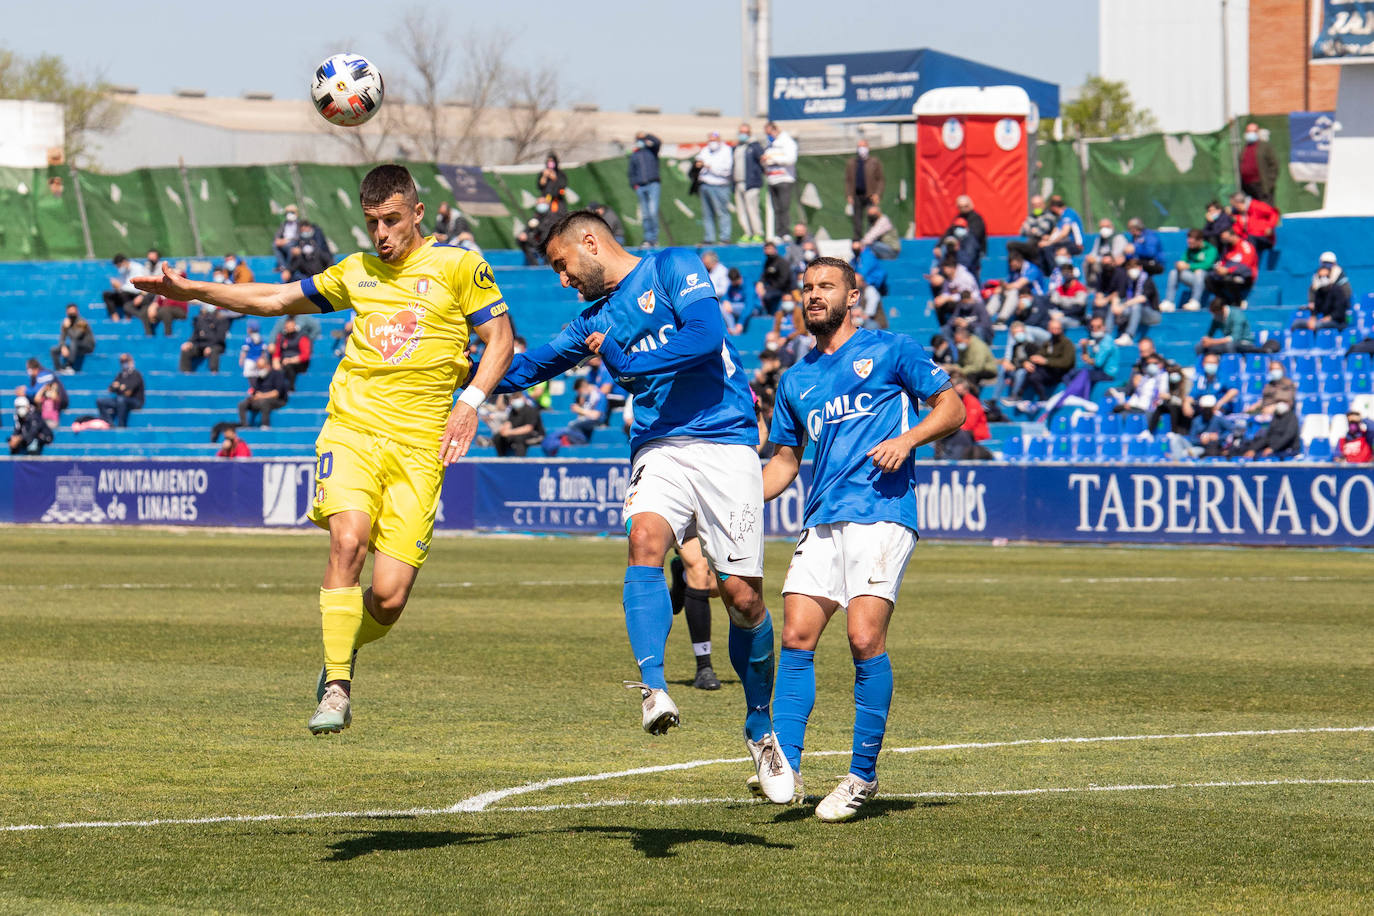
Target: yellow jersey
408	349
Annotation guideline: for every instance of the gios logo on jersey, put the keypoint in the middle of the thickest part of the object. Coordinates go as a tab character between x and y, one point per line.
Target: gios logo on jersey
692	282
840	409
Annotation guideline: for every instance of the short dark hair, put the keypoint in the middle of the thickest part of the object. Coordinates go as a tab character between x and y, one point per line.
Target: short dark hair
839	264
1213	205
384	181
32	363
569	222
118	259
1194	233
1056	200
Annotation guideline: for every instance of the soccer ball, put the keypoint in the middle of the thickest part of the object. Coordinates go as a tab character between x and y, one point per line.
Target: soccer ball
347	90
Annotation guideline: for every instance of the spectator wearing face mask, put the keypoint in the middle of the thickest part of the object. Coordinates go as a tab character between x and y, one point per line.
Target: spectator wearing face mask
1050	367
1136	303
1233	276
1357	445
1068	297
1208	431
1189	275
1229	331
775	280
239	271
1022	277
531	238
976	362
734	305
29	434
1068	228
1099	353
962	444
1278	387
1210	381
75	341
253	348
644	179
1148	389
969	312
882	235
1279	439
1258	166
957	284
126	393
1328	297
780	171
748	178
865	262
1016	364
965	246
209	333
716	272
1215	221
553	184
1038	224
977	227
310	255
1108	247
1144	245
863	185
523	428
287	234
1257	221
717	169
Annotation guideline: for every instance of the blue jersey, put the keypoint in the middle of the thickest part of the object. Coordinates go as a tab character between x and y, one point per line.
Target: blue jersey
846	402
666	344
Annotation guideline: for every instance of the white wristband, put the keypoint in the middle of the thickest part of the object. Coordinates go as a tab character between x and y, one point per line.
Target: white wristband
473	397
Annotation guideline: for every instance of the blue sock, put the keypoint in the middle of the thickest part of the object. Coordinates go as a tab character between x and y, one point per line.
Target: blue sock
648	618
872	699
795	697
751	654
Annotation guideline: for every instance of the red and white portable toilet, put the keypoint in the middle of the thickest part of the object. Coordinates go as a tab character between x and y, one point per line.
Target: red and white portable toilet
972	140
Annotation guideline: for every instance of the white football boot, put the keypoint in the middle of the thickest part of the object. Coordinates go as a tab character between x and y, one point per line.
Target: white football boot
333	714
660	712
798	792
777	782
846	799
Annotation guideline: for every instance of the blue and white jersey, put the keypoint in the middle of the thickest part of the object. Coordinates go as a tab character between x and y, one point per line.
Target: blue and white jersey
667	346
845	403
1070	220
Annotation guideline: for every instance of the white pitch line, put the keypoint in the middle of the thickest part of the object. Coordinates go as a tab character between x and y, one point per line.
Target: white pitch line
484	801
985	793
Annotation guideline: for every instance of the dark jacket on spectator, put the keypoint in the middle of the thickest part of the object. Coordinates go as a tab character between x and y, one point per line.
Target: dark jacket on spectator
209	329
644	162
1059	354
873	177
777	273
1333	301
1212	229
272	380
78	336
129	382
1281	434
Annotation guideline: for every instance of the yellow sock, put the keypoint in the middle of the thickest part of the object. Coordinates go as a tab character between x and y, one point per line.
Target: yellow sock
371	630
341	618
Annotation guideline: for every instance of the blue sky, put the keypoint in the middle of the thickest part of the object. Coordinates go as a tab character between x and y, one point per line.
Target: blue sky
649	52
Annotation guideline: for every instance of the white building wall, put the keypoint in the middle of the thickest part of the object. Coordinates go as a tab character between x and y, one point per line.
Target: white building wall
1168	52
27	131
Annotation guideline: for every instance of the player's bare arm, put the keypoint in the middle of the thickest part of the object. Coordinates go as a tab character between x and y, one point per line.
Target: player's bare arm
499	337
264	299
946	415
781	470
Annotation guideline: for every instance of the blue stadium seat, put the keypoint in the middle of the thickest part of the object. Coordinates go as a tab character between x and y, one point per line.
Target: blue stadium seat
1301	313
1134	423
1299	341
1319	449
1139	448
1109	448
1310	405
1085	448
1084	424
1060	424
1062	449
1330	365
1302	365
1361	383
1256	364
1109	424
1254	384
1335	405
1039	448
1230	365
1013	449
1331	384
1307	384
1328	341
1357	364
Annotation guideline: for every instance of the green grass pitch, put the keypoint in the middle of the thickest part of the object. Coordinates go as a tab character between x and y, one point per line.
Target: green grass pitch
161	675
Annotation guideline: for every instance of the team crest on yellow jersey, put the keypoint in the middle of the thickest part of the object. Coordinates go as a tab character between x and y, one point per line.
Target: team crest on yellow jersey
395	336
646	301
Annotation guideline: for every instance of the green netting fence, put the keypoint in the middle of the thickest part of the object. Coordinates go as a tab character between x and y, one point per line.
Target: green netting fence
1164	179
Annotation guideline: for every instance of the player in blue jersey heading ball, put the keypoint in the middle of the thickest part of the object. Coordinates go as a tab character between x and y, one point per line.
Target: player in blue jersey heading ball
853	397
656	323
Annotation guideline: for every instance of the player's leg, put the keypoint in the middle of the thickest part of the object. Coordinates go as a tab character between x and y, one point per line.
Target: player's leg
875	559
649	615
696	607
341	616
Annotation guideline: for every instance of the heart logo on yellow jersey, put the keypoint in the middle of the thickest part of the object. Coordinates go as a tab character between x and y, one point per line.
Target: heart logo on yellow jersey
390	334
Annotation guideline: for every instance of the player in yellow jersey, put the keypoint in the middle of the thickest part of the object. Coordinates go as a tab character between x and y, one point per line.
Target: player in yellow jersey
392	426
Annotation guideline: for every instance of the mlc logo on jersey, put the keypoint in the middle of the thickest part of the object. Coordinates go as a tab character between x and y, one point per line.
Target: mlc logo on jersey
646	301
862	367
841	409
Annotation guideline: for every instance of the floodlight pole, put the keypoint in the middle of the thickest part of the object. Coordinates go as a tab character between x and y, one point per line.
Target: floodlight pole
763	43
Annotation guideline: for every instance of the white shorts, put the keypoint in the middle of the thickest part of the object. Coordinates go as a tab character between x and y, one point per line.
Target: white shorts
848	559
711	490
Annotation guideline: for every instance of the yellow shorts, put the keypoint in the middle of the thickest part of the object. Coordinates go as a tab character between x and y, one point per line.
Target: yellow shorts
397	485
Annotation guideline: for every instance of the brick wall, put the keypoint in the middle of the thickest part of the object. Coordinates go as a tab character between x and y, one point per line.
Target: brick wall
1279	50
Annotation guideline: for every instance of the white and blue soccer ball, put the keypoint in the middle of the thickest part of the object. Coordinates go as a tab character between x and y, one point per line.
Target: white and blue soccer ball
347	90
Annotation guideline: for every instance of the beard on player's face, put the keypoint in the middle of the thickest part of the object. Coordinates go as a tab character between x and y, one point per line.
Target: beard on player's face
829	323
590	277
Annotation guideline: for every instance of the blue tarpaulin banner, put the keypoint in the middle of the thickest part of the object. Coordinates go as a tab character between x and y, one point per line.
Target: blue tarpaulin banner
883	84
1309	144
1260	503
1347	32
